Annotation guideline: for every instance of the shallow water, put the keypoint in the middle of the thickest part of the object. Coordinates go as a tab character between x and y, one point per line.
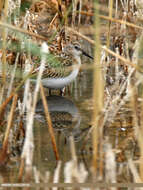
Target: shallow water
71	114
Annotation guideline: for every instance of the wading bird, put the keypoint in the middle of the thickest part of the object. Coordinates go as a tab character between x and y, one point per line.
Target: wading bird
59	82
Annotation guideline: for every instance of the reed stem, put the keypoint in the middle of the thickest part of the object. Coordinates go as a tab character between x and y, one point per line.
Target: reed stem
4	37
49	122
98	87
10	120
109	23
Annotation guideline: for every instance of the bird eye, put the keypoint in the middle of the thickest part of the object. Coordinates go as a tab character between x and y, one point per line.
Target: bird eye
76	47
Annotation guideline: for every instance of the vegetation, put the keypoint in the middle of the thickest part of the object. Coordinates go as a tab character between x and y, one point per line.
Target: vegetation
114	140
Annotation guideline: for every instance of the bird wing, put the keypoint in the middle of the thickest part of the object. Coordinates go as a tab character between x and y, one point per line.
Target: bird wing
56	67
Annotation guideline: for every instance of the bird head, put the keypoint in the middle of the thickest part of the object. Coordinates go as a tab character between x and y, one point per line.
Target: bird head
76	50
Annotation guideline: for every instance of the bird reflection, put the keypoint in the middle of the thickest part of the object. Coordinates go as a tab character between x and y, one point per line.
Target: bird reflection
64	114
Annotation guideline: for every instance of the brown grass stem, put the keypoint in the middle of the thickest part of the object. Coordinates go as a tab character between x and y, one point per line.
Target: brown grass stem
113	20
74	5
3	152
140	130
53	20
5	25
4	56
60	9
80	8
140	139
10	119
13	75
21	170
134	171
98	87
137	130
109	23
1	7
2	91
116	9
138	119
101	151
49	122
3	106
73	150
4	36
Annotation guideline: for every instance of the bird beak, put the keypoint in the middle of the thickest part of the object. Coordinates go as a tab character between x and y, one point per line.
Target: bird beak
86	54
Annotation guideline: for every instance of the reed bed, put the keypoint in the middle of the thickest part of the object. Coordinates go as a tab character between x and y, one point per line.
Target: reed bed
112	149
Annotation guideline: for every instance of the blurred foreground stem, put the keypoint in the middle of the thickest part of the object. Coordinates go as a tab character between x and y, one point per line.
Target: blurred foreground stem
109	23
98	87
4	37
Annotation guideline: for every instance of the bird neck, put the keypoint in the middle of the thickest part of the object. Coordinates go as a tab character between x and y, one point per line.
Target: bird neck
77	64
77	59
75	70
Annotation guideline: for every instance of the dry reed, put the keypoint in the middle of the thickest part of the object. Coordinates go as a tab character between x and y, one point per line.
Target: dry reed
57	175
98	86
137	121
114	20
74	5
28	148
49	122
4	37
134	171
13	75
109	23
4	153
104	114
110	164
5	25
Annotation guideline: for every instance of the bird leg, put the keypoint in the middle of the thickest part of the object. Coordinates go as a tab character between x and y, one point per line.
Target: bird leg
50	92
62	91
